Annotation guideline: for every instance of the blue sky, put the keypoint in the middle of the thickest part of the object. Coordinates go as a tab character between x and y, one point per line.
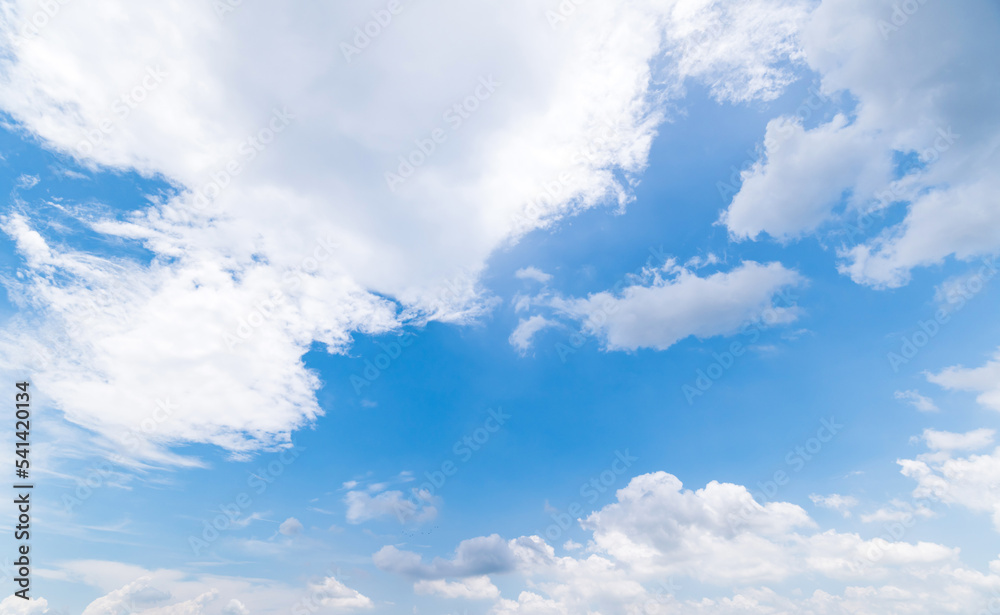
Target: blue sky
616	345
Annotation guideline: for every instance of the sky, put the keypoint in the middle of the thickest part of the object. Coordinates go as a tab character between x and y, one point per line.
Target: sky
510	308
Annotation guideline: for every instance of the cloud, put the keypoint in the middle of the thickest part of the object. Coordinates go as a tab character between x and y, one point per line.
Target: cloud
133	589
284	230
918	401
840	503
526	329
473	588
668	309
14	605
657	537
235	607
333	594
361	506
473	558
533	273
984	380
948	441
806	173
972	482
290	527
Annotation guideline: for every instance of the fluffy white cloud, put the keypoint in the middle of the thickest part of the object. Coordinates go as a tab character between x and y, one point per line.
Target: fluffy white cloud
972	482
473	588
918	401
648	546
522	336
805	173
984	380
667	309
334	178
13	605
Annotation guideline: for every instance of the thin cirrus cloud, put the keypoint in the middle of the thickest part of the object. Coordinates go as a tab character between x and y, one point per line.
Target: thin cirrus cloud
285	231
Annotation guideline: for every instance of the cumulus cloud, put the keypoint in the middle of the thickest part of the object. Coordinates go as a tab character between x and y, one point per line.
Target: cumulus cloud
680	304
657	537
972	482
805	174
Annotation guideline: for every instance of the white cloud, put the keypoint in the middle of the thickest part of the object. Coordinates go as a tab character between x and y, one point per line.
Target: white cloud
984	380
805	173
567	126
948	441
533	273
840	503
658	537
972	482
13	605
522	336
235	607
332	594
918	401
473	588
669	309
802	179
290	527
418	508
474	557
133	589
